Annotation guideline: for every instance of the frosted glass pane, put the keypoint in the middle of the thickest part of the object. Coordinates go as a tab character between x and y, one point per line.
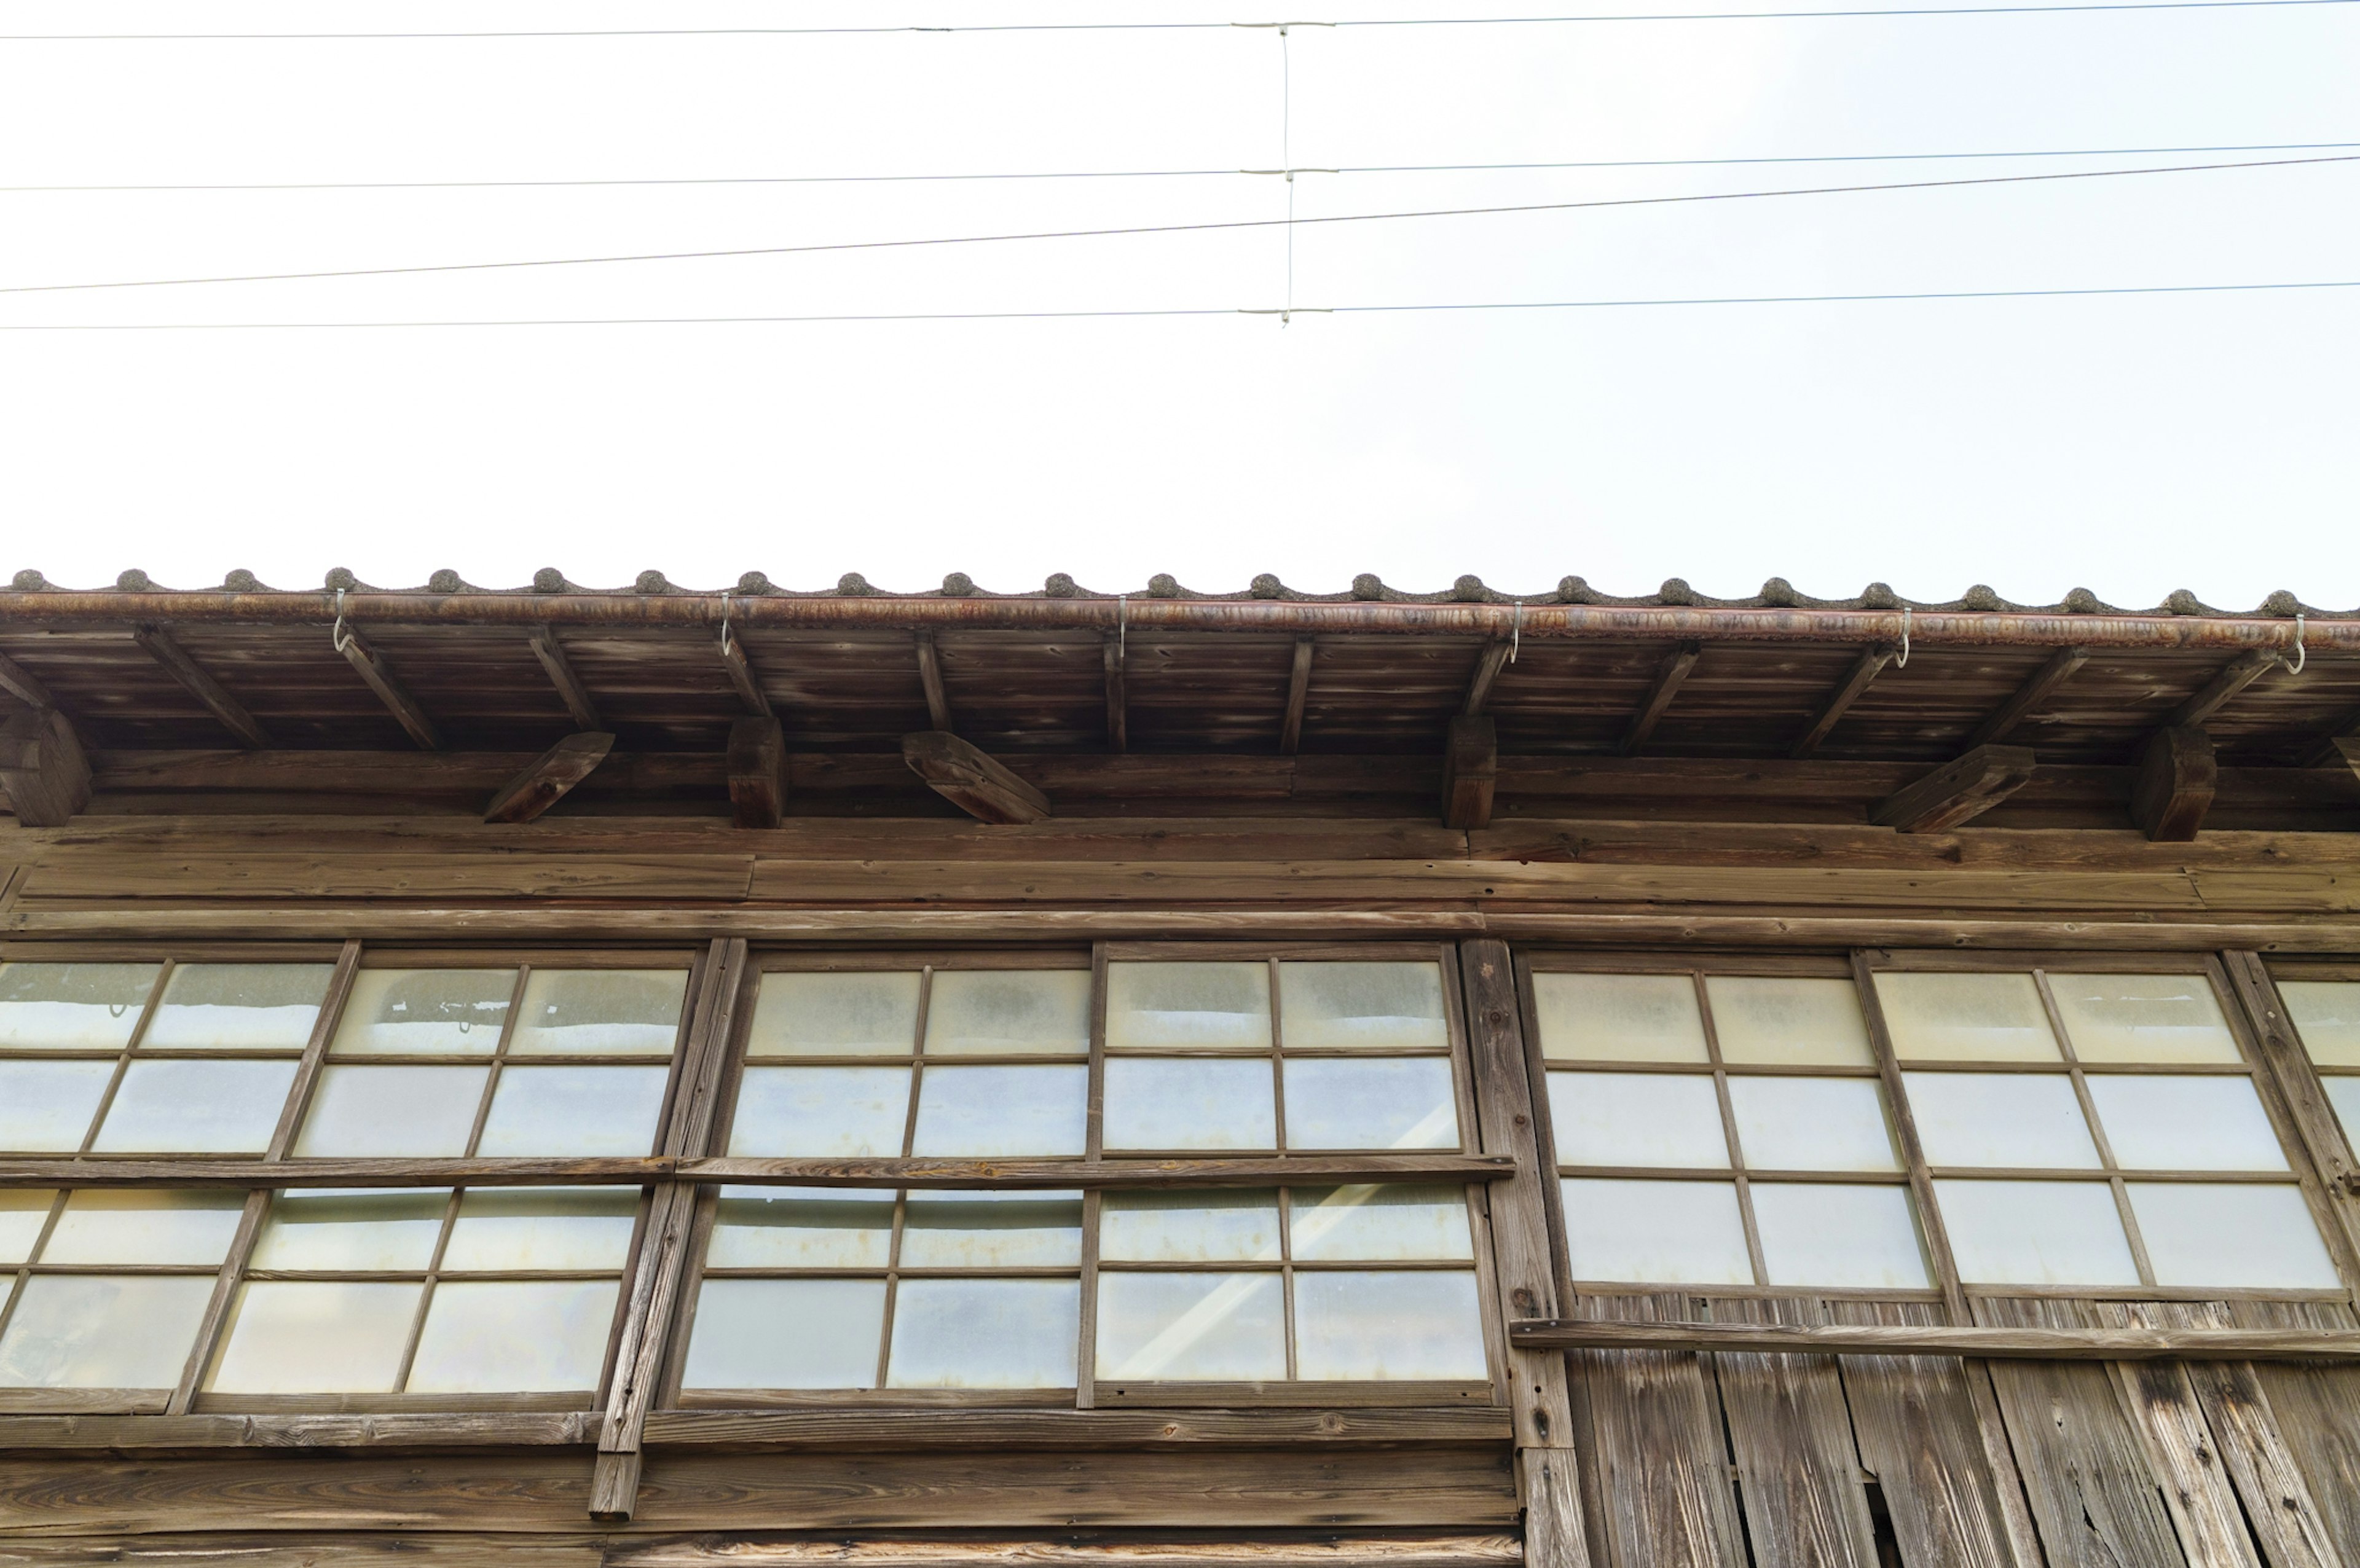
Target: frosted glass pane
1812	1124
1189	1226
542	1227
2326	1013
2199	1234
2185	1123
1371	1005
244	1006
146	1227
992	1230
2024	1121
1402	1103
1395	1220
1619	1018
383	1111
2344	1094
600	1012
1812	1023
1966	1018
1185	1103
1636	1119
836	1015
1001	1110
1202	1328
2143	1018
1837	1237
573	1110
985	1333
1201	1007
315	1336
1661	1233
737	1342
514	1336
71	1007
81	1331
423	1012
2036	1233
25	1209
991	1012
821	1111
1350	1327
195	1108
801	1227
358	1230
46	1106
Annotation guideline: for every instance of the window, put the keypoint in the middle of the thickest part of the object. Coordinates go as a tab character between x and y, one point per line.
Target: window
2324	1007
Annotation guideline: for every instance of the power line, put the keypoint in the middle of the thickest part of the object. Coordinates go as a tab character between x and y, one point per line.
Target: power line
1237	223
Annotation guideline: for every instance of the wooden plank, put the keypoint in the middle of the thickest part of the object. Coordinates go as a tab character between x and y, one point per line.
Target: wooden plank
1656	1443
1118	704
1957	791
1864	669
42	768
402	1429
1798	1475
578	701
2276	1498
2317	1411
160	645
832	1428
2234	676
2177	776
1298	694
24	685
549	778
1471	769
313	1549
1197	1548
2024	1343
311	875
1669	675
758	773
397	702
929	676
2028	696
742	677
1488	665
2182	1452
972	780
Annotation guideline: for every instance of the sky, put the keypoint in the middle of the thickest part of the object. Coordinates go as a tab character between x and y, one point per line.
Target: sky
2131	444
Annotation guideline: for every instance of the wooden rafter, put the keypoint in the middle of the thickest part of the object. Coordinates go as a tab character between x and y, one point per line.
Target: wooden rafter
1865	668
742	676
1298	694
397	702
550	777
2233	678
552	654
970	779
2028	696
161	648
1117	706
1488	665
1669	675
929	676
2178	774
1957	791
24	685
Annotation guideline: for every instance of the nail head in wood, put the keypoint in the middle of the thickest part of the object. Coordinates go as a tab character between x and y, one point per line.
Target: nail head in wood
758	773
2178	773
1470	772
1957	791
43	769
549	778
970	779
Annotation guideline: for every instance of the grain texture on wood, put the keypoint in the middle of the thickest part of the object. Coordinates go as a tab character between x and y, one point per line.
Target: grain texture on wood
1077	1549
1298	695
1670	676
560	668
2177	776
1797	1472
160	646
1958	791
1656	1443
549	778
758	773
930	677
2184	1455
1548	1482
2046	1342
2269	1482
2234	676
372	668
1864	669
744	678
2028	697
2317	1411
1488	665
972	780
24	685
1470	771
42	768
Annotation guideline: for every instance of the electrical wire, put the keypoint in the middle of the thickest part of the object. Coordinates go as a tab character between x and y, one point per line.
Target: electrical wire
1230	224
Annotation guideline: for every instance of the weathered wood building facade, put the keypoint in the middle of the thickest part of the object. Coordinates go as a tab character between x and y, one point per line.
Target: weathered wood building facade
641	1078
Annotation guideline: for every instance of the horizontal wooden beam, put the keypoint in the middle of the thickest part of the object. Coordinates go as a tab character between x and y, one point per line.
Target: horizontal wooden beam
372	670
42	768
161	648
554	660
1864	669
1958	791
2177	776
549	778
2000	1344
970	779
2233	677
758	773
2028	696
1670	676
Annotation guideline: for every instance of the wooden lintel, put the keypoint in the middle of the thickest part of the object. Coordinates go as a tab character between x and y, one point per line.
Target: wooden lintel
1298	694
1669	674
1487	670
929	676
742	677
42	768
970	779
2234	676
24	685
399	702
549	778
161	648
1865	668
1470	772
2007	1343
552	654
1957	791
758	773
2177	776
2028	696
1116	705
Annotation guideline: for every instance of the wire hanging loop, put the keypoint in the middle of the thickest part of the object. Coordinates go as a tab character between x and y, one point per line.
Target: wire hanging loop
2301	654
1903	662
338	637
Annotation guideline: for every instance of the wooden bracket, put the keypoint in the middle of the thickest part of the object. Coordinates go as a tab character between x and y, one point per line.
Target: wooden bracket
161	648
549	778
2177	776
1957	791
552	654
1865	668
929	676
1670	676
2028	696
968	778
1470	772
399	702
2234	676
758	773
1298	694
43	769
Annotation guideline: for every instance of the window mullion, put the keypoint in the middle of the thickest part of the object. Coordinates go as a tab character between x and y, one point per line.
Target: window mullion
426	1288
1930	1227
1086	1391
1729	1132
123	1058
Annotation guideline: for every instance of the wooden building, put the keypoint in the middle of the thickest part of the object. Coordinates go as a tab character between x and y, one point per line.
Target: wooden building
646	1079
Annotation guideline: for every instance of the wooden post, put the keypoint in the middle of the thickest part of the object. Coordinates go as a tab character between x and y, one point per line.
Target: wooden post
43	769
1470	771
2176	774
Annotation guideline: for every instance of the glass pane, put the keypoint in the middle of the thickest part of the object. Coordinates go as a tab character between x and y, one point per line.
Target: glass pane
2021	1120
509	1228
997	1012
2036	1233
315	1336
2143	1018
360	1230
992	1230
2326	1012
436	1012
46	1106
1387	1325
1378	1221
2344	1094
1371	1005
2200	1234
600	1012
514	1336
1198	1328
985	1333
821	1111
1619	1018
1837	1237
1966	1018
836	1015
377	1111
1213	1227
135	1227
1812	1023
73	1007
196	1107
801	1227
81	1331
1812	1124
737	1342
1189	1102
1001	1110
1663	1233
1371	1105
244	1006
2185	1123
1637	1118
573	1110
1200	1007
25	1209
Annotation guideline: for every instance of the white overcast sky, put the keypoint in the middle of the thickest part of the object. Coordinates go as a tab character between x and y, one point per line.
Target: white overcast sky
2132	445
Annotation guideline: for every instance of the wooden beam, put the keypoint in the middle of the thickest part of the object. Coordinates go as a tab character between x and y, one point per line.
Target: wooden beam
160	645
549	778
1298	693
1865	668
2348	749
42	768
1669	674
2234	676
742	677
1957	791
758	773
2177	776
970	779
404	707
552	654
24	685
2007	1343
1117	706
929	676
1487	670
2028	696
1470	772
